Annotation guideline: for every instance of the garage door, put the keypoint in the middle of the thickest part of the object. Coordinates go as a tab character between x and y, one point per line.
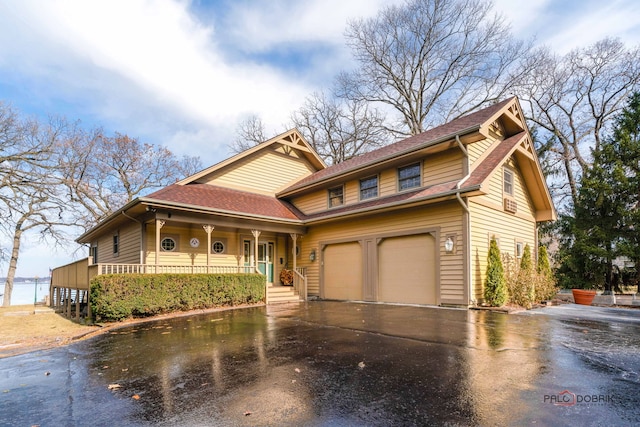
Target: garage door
407	271
343	271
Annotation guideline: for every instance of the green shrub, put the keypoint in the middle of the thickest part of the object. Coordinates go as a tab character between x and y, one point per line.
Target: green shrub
119	296
525	285
546	286
495	287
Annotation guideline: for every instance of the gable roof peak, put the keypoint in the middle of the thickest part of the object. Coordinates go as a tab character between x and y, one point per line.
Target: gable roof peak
292	138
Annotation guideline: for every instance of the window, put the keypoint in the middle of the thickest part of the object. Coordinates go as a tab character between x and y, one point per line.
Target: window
116	243
168	244
369	188
519	249
409	177
336	196
93	252
217	247
508	182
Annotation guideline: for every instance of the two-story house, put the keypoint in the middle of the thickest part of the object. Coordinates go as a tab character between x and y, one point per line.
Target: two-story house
407	223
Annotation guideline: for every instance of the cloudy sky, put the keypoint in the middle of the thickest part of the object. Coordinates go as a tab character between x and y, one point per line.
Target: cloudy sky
184	73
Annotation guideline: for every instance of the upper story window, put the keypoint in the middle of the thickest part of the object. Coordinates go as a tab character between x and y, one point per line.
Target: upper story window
507	186
369	188
409	177
336	196
116	243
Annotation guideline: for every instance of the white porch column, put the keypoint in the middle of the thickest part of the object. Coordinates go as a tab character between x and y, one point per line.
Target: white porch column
256	235
294	237
159	224
208	229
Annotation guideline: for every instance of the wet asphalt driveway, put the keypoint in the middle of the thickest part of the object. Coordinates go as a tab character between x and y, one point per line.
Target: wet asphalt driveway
342	364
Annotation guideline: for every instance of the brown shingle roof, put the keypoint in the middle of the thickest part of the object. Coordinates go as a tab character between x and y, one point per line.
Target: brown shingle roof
225	200
406	145
493	160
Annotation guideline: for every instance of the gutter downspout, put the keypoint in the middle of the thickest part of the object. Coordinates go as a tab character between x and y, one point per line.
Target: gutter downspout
141	235
466	224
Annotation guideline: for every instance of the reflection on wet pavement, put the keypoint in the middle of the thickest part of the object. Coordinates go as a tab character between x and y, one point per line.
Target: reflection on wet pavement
331	363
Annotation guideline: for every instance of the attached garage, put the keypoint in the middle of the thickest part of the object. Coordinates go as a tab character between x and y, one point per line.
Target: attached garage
398	269
407	269
342	268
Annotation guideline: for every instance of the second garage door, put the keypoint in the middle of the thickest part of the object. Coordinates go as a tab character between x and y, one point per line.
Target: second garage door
407	270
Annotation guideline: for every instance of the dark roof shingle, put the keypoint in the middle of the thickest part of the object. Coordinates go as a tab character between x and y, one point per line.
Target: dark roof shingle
448	129
225	199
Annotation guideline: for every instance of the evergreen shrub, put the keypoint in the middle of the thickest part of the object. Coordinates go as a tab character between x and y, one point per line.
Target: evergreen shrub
119	296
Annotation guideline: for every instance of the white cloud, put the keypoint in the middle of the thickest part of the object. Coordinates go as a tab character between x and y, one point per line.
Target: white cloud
260	26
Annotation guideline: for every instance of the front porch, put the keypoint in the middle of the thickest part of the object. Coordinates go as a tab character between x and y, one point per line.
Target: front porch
70	284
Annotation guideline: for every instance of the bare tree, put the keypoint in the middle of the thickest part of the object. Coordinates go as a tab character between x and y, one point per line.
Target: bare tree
572	100
338	130
28	197
431	61
250	132
102	173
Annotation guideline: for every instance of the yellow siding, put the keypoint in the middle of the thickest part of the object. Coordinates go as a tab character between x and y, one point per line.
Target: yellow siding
184	253
478	149
495	196
443	167
313	202
447	218
266	172
388	183
488	218
436	169
129	246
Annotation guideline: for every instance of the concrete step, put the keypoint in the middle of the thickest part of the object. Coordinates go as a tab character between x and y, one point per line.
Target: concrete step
282	294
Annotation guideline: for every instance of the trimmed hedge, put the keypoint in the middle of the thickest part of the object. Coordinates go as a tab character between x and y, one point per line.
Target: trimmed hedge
119	296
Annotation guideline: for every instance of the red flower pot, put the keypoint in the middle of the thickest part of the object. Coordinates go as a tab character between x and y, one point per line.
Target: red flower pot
583	296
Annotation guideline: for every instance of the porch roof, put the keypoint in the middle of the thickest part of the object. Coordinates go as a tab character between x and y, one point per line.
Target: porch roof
225	200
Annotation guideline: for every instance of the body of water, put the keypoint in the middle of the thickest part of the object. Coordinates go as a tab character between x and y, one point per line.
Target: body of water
24	292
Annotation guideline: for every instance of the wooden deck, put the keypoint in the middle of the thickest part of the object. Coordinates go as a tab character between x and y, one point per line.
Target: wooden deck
70	284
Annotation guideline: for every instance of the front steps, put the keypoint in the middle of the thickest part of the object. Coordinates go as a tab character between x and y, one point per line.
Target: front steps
278	294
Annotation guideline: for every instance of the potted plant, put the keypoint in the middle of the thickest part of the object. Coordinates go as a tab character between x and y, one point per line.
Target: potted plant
583	296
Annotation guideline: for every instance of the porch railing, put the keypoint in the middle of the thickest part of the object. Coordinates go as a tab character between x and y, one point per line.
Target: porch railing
300	282
167	269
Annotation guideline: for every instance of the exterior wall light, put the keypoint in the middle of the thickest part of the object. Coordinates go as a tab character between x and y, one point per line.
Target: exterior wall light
312	255
448	245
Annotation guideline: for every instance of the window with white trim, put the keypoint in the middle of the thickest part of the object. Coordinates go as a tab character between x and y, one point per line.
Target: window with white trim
369	188
507	186
409	177
336	196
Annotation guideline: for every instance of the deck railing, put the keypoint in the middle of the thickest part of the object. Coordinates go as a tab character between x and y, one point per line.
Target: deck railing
170	269
75	277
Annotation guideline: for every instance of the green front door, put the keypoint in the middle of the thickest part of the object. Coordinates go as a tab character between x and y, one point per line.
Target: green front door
265	257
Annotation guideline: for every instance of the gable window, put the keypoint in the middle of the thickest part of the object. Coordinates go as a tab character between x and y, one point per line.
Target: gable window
369	188
507	187
168	244
336	196
116	243
409	177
